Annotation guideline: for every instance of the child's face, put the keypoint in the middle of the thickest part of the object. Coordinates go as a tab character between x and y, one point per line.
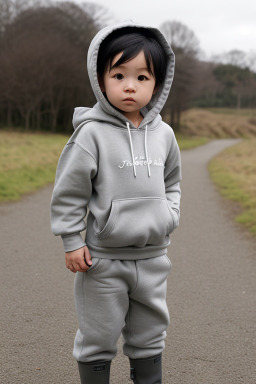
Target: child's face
130	86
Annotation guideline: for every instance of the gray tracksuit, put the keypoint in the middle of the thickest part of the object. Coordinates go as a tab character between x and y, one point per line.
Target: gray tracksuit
128	179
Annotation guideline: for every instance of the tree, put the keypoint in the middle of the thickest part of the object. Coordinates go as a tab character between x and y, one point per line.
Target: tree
9	9
235	80
186	48
101	16
234	57
234	70
207	87
43	63
181	38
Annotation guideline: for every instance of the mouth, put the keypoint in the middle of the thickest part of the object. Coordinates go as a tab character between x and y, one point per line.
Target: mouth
129	99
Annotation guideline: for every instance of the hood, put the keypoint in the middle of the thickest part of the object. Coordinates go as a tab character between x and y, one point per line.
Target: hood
107	112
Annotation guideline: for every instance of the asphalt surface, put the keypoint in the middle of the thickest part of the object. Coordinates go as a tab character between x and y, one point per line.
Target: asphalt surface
211	292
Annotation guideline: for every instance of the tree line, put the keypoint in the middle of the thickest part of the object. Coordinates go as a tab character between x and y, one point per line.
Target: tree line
43	76
227	80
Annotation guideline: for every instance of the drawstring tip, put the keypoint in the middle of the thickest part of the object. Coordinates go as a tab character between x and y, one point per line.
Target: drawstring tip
149	173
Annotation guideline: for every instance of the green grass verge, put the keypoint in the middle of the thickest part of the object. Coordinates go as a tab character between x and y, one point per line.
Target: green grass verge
186	142
234	172
27	162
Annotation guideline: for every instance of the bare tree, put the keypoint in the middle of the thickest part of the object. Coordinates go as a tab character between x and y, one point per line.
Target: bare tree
181	38
9	9
22	83
100	15
186	48
43	64
207	86
234	57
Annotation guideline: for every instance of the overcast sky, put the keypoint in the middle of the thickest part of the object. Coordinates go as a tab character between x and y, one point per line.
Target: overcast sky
220	25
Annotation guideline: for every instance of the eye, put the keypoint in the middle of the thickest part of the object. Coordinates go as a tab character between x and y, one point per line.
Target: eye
118	76
142	78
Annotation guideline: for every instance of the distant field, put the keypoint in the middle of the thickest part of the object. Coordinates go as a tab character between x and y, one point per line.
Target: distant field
219	123
234	172
27	162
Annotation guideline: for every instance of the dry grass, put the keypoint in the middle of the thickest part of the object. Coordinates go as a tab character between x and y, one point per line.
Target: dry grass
27	162
234	171
219	123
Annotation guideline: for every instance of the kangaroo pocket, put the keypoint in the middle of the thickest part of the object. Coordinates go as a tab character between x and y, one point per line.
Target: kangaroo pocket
137	222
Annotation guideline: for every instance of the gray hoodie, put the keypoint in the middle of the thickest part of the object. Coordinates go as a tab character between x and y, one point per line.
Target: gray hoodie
127	178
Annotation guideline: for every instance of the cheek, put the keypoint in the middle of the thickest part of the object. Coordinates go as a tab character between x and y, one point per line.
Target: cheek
112	91
150	92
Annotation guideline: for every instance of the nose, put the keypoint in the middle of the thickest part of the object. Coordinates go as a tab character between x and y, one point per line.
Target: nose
129	86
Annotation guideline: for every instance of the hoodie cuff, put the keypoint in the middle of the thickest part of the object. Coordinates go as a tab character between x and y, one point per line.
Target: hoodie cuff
72	242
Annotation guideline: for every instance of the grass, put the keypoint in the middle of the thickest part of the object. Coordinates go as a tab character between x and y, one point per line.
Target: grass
27	162
186	142
234	172
219	123
231	111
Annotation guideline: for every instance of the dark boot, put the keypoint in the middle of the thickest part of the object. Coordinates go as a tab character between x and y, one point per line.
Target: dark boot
96	372
147	371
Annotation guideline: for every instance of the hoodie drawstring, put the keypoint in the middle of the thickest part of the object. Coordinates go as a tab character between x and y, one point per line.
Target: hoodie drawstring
131	146
146	149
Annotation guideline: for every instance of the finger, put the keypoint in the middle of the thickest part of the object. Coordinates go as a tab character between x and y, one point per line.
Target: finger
87	257
82	266
79	268
72	269
80	263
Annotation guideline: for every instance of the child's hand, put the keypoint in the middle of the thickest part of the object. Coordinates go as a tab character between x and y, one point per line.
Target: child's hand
79	260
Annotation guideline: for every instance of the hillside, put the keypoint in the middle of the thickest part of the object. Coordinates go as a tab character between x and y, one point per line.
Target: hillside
219	123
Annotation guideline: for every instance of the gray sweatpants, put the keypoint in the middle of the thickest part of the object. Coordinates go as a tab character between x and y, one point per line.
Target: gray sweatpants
121	296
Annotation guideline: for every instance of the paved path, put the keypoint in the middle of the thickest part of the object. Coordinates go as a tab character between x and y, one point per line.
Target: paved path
211	292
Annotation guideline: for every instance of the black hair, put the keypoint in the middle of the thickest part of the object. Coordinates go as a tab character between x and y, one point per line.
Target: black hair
131	42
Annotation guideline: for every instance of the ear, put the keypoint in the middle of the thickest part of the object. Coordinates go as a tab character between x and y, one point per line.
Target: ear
101	83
